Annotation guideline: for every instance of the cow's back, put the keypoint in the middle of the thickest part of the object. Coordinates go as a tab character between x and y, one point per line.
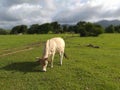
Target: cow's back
59	43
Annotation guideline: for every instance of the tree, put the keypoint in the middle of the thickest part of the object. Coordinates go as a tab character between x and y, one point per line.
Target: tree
19	29
71	29
110	29
33	29
83	32
45	28
3	32
65	28
56	27
117	29
98	30
81	23
89	29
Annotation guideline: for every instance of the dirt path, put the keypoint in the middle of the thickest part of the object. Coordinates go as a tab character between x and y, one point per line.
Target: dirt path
27	49
22	49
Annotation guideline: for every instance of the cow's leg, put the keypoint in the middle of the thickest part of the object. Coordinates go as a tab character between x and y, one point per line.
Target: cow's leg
52	58
45	66
61	57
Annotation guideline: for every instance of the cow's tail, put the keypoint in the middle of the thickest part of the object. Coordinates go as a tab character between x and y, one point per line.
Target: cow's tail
66	56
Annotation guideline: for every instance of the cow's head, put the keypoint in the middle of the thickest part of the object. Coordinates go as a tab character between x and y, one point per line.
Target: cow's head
43	62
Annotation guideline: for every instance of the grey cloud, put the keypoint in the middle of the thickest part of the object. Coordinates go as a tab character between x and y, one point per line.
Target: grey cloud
14	12
77	14
6	16
8	3
109	14
117	12
85	13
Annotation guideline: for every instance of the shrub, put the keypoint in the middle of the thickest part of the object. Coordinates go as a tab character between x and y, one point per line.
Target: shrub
90	30
3	32
110	29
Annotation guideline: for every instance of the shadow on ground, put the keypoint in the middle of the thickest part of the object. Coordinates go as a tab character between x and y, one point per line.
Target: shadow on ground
23	67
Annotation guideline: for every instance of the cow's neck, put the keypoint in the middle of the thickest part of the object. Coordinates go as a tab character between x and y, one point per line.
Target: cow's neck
46	53
46	49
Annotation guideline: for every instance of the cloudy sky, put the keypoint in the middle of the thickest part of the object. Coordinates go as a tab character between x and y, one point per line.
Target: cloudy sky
17	12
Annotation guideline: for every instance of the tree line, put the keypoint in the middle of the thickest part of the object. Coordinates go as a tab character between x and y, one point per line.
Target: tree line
82	28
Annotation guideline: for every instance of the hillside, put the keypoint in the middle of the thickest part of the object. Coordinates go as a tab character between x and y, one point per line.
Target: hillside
106	23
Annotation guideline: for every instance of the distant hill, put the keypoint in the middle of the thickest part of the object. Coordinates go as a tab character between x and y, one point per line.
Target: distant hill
106	23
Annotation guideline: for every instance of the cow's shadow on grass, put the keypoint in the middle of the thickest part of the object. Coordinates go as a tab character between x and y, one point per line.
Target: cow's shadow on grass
23	67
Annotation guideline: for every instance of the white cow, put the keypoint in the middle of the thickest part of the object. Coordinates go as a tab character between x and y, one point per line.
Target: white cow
52	46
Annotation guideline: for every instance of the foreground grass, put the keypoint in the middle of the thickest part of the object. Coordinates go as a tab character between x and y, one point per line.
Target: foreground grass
87	68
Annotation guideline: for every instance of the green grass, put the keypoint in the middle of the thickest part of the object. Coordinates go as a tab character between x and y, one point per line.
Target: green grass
87	68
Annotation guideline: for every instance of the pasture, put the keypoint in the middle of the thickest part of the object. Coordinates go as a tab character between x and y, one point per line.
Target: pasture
88	68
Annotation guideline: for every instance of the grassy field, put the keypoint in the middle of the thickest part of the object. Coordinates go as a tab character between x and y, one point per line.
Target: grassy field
87	68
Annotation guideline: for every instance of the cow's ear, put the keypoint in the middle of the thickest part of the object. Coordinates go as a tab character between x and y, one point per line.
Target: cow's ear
45	58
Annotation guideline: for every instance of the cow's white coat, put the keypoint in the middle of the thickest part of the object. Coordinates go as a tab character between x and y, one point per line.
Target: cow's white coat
52	46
